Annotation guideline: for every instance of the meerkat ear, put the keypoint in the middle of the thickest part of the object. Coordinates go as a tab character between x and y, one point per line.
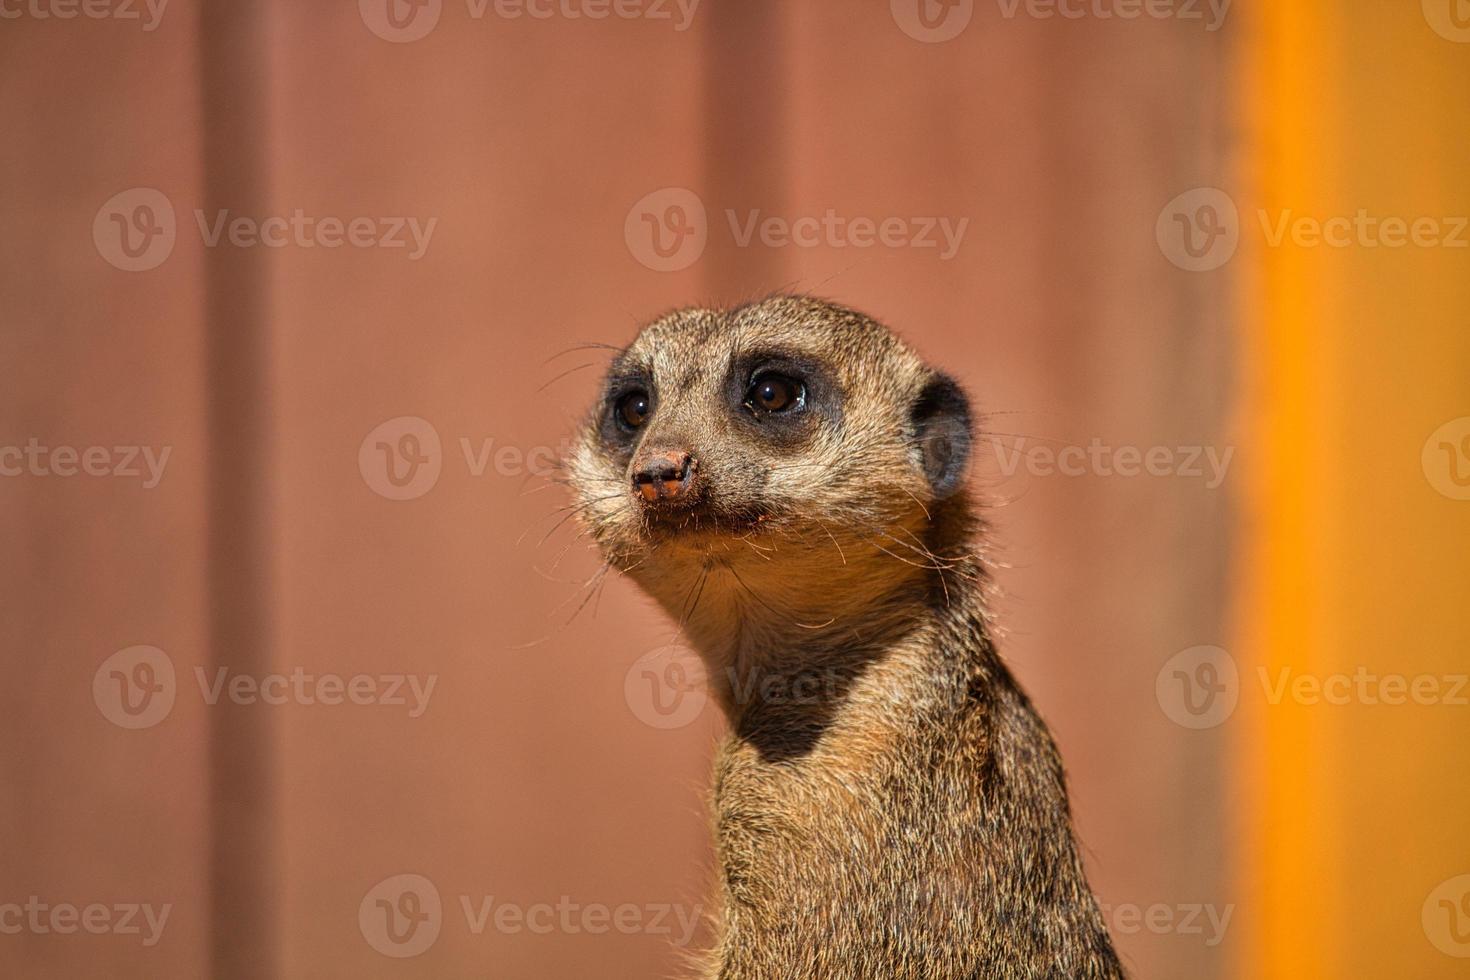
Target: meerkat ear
941	420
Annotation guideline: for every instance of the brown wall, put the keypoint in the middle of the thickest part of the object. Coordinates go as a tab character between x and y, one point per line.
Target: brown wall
533	775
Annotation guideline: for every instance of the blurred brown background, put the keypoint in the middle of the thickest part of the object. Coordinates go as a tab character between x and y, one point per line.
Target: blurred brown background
270	542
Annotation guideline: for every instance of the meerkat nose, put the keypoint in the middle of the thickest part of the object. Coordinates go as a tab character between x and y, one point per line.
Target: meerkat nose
663	475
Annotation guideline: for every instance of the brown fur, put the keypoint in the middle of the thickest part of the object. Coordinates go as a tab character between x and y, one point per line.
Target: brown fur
888	803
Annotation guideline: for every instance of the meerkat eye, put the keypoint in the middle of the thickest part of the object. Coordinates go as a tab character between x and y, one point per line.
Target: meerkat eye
775	393
633	409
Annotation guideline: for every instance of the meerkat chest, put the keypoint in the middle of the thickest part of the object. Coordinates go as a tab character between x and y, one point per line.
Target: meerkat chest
816	825
818	862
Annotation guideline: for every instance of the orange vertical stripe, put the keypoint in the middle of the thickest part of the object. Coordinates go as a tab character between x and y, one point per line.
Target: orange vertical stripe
1353	558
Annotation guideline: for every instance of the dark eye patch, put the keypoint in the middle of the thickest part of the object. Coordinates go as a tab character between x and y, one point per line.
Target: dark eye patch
803	395
629	399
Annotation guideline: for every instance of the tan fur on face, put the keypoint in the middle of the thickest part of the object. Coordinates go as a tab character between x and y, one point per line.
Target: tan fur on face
826	517
888	803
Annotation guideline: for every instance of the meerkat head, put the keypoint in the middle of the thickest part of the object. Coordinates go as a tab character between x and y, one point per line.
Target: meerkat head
792	443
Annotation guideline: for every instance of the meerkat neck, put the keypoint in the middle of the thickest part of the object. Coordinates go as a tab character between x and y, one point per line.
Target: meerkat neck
866	656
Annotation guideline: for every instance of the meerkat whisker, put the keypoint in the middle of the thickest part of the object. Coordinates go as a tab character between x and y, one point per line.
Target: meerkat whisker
563	374
569	515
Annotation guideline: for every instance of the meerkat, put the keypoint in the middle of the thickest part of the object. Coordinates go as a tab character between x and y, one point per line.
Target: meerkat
786	479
